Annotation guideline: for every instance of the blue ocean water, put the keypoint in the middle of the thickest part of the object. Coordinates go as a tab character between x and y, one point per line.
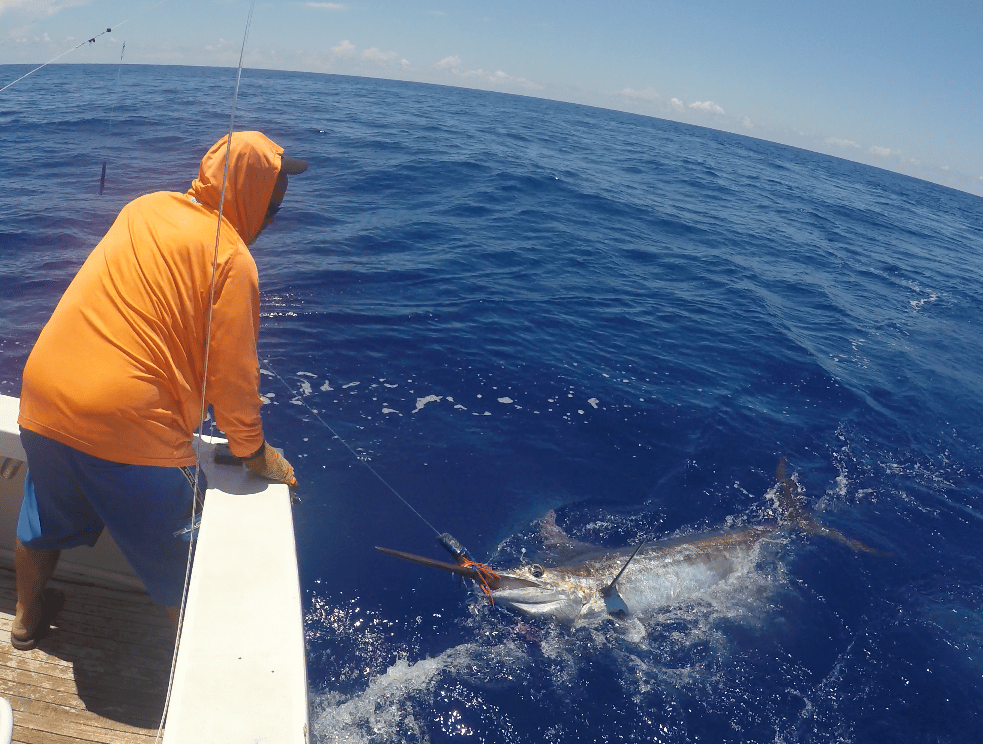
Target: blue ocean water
497	306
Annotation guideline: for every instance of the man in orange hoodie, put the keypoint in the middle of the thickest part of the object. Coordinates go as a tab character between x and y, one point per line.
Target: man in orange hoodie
161	321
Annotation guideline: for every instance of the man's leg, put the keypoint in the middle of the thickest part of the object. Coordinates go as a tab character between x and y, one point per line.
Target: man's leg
52	497
34	568
148	510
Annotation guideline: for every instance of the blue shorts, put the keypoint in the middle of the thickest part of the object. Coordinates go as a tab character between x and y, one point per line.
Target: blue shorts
70	496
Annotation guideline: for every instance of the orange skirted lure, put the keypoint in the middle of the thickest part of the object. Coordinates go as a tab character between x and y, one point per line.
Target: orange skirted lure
483	575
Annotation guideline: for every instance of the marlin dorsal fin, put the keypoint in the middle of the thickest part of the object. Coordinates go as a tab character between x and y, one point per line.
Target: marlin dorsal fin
789	503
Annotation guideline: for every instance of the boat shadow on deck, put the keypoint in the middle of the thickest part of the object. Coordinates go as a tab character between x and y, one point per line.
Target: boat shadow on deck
99	675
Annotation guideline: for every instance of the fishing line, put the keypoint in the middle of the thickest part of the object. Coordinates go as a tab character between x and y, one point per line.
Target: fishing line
91	40
112	112
372	470
204	378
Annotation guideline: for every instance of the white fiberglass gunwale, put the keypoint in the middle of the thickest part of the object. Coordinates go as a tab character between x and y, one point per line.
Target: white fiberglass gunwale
241	668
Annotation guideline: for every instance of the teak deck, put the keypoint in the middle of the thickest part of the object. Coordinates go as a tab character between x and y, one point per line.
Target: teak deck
101	673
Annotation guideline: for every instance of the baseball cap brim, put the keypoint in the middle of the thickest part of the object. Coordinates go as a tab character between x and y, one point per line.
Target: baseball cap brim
292	166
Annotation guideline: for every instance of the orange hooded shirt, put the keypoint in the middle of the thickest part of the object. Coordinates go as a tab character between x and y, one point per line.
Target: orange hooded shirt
117	371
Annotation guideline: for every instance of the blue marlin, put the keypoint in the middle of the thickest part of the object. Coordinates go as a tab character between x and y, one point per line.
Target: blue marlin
618	583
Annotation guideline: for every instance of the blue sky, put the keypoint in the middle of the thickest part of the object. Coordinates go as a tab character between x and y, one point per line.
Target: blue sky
893	84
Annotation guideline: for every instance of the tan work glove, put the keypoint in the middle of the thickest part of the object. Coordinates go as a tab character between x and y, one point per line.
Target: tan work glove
270	464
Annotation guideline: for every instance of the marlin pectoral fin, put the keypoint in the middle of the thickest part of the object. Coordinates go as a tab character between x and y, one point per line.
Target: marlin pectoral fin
616	606
609	590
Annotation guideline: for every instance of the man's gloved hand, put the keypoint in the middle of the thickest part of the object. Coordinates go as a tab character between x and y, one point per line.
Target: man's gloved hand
269	463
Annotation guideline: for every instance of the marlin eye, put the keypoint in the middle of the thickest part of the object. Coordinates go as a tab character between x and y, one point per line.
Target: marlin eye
536	570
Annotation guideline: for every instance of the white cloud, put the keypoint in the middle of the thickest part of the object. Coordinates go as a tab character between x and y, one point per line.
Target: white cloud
677	104
512	80
746	122
327	6
841	142
344	49
640	95
377	55
884	152
449	63
497	77
220	46
38	8
453	65
708	106
17	33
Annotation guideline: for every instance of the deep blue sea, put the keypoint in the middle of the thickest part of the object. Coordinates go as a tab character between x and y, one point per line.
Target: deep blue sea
496	306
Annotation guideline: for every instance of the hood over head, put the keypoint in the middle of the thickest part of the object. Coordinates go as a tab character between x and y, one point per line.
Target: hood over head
255	162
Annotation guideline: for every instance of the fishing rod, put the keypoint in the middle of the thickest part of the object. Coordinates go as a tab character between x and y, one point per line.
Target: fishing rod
90	40
55	59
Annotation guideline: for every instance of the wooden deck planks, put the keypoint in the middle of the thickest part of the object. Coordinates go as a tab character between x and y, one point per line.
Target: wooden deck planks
99	676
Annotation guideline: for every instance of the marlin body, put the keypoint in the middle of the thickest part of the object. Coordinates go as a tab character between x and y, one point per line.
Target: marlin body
656	575
662	575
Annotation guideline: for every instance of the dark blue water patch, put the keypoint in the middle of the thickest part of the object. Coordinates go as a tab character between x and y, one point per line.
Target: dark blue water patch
892	704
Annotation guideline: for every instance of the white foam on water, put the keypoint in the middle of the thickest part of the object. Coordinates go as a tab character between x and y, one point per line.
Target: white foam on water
384	711
307	374
421	402
326	386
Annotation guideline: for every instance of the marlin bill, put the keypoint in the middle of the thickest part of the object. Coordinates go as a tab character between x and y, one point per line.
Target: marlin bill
600	583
